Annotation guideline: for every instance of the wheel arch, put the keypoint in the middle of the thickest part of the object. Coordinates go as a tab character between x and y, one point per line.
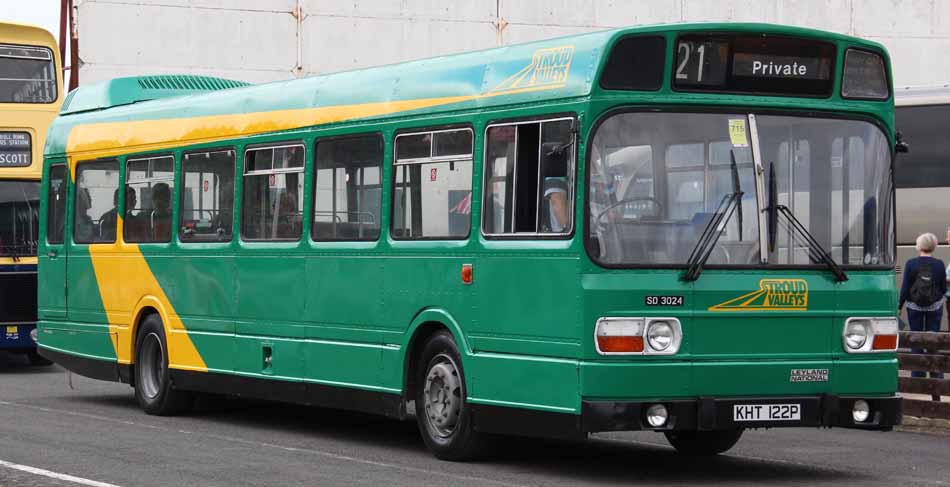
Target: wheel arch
147	305
425	324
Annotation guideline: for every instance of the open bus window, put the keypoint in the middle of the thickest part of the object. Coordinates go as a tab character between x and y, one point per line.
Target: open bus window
348	194
207	196
432	197
96	186
56	205
148	200
273	193
529	172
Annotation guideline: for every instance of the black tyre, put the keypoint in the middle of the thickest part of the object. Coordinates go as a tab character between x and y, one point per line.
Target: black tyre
444	418
703	443
36	359
153	387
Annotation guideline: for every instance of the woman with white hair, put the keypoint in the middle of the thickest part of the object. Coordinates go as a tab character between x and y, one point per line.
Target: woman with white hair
923	289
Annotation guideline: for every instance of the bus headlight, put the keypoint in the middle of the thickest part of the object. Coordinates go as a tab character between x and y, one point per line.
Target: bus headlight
856	334
660	335
664	336
33	335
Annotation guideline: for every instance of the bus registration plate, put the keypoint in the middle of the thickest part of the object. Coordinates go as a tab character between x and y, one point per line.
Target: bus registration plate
767	412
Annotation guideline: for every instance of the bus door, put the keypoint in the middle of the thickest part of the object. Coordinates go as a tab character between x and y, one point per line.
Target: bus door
52	255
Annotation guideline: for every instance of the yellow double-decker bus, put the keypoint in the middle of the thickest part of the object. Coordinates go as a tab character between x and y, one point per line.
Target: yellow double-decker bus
31	89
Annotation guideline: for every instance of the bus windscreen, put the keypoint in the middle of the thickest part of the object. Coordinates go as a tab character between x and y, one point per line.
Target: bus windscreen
27	75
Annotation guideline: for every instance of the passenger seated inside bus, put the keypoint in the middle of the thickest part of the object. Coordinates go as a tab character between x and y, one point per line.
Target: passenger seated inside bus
85	229
222	219
159	220
109	220
288	220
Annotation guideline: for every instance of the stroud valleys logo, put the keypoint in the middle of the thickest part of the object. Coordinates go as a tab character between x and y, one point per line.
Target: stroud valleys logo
548	69
772	295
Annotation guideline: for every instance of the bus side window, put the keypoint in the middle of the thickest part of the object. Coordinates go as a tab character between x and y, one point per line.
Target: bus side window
348	190
148	204
433	185
96	185
207	197
273	193
529	178
56	205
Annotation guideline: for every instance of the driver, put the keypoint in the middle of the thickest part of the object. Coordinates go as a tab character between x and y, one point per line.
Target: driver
603	197
555	197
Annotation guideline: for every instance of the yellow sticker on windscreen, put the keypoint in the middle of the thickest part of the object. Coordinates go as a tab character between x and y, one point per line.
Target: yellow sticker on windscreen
737	133
12	329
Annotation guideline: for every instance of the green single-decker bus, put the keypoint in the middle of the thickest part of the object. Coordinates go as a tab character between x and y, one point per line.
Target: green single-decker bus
686	229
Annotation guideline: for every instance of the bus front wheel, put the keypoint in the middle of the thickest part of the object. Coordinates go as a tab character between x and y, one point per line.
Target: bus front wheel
444	419
153	388
703	443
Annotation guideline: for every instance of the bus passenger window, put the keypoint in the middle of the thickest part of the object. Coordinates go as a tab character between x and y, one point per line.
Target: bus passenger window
433	185
273	193
348	193
96	184
207	196
148	199
56	205
529	171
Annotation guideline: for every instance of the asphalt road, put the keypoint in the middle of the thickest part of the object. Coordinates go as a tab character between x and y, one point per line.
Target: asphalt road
94	432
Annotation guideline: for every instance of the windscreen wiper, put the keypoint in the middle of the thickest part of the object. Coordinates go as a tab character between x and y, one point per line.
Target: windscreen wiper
815	250
736	188
714	229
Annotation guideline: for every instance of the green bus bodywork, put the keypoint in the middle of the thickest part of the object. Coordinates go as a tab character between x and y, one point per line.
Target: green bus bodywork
340	323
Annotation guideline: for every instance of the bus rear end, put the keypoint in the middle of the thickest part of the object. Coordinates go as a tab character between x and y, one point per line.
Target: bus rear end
30	96
740	230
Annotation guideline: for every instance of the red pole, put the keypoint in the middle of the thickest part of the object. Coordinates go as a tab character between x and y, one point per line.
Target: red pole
63	14
73	49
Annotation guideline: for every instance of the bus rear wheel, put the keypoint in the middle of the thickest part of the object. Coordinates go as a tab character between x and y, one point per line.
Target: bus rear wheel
153	388
444	418
703	443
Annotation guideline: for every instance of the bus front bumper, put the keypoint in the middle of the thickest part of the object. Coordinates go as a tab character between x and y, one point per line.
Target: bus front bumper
711	413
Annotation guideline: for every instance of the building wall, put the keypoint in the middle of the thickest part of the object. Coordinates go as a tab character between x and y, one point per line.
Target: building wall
267	40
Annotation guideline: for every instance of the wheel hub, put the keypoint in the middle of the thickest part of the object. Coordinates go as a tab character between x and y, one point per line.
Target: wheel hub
443	396
151	366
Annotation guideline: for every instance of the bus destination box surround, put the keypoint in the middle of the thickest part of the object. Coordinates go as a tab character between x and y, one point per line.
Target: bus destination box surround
754	64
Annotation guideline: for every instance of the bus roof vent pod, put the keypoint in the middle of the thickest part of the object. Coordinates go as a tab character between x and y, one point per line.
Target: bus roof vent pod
125	91
188	83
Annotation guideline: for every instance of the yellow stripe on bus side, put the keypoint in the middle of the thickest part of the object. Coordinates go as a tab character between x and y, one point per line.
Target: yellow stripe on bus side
109	139
125	282
113	138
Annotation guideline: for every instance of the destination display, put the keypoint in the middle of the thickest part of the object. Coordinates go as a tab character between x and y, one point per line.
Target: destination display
16	149
754	64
